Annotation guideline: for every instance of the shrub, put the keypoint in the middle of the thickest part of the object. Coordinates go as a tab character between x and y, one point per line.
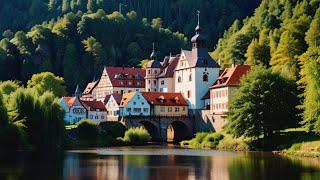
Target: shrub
87	130
211	140
136	136
12	137
113	129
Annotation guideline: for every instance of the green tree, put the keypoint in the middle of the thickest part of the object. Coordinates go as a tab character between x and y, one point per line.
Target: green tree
8	87
265	103
310	77
47	81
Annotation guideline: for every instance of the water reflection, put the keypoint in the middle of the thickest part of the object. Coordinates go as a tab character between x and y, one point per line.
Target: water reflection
161	164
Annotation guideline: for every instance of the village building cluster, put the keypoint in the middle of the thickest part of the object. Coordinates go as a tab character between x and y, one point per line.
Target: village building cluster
190	83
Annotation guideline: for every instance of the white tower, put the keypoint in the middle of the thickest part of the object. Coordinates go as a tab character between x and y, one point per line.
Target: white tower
196	71
153	69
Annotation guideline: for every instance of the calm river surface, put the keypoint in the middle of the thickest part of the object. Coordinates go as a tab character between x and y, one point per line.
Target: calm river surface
155	162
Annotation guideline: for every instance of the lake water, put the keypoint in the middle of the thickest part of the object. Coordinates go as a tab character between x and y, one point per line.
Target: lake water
156	162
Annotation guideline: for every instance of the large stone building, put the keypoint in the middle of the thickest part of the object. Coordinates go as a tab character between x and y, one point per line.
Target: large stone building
117	80
190	73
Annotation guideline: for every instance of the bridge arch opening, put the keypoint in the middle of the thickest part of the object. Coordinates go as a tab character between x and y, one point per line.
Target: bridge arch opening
177	131
152	130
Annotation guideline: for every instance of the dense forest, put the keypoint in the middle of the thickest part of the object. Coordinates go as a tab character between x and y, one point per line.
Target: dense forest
177	15
77	46
285	37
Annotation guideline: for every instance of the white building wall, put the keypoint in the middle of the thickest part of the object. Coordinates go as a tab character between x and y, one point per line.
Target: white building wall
201	87
220	99
97	116
113	109
165	85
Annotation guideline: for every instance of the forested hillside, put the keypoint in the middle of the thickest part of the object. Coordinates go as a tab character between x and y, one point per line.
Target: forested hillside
283	35
177	15
77	46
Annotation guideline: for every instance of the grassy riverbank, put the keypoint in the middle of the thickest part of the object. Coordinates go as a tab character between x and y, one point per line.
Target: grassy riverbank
296	141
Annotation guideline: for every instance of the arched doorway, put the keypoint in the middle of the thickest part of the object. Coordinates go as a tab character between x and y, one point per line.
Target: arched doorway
177	131
152	129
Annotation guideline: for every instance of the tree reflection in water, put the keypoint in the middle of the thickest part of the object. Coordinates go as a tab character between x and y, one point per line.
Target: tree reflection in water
156	164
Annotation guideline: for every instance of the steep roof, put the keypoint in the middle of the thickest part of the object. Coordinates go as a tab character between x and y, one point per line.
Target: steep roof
94	105
164	99
126	98
116	96
90	86
126	77
169	70
231	76
199	57
69	101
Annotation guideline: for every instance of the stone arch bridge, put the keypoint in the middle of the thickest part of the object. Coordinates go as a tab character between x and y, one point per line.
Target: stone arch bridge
164	129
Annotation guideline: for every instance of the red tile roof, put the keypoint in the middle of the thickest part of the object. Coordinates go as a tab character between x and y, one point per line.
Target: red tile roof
231	76
164	99
94	105
126	77
69	101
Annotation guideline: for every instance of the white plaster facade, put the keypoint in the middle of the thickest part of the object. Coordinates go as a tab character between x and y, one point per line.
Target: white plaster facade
220	98
190	81
113	109
97	115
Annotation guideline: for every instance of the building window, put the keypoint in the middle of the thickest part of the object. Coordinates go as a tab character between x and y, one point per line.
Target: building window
129	83
189	94
155	90
121	91
155	71
162	82
155	82
102	117
121	82
129	91
96	117
169	109
162	109
148	90
134	103
145	109
149	82
179	79
142	103
129	109
205	78
190	77
184	109
136	109
138	83
176	109
149	71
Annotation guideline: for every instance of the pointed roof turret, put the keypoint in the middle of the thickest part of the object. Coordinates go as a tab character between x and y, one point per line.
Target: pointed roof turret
198	38
77	92
153	63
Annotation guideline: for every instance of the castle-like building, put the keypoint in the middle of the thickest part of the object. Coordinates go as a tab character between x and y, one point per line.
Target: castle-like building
190	73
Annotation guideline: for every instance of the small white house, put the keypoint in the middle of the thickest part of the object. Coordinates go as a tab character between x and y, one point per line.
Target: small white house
97	112
112	104
134	104
74	109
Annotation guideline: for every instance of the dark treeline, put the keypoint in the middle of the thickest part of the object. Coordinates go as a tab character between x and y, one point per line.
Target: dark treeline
177	15
77	46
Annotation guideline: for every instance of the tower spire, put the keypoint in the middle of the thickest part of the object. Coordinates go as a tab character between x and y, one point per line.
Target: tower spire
198	29
153	54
